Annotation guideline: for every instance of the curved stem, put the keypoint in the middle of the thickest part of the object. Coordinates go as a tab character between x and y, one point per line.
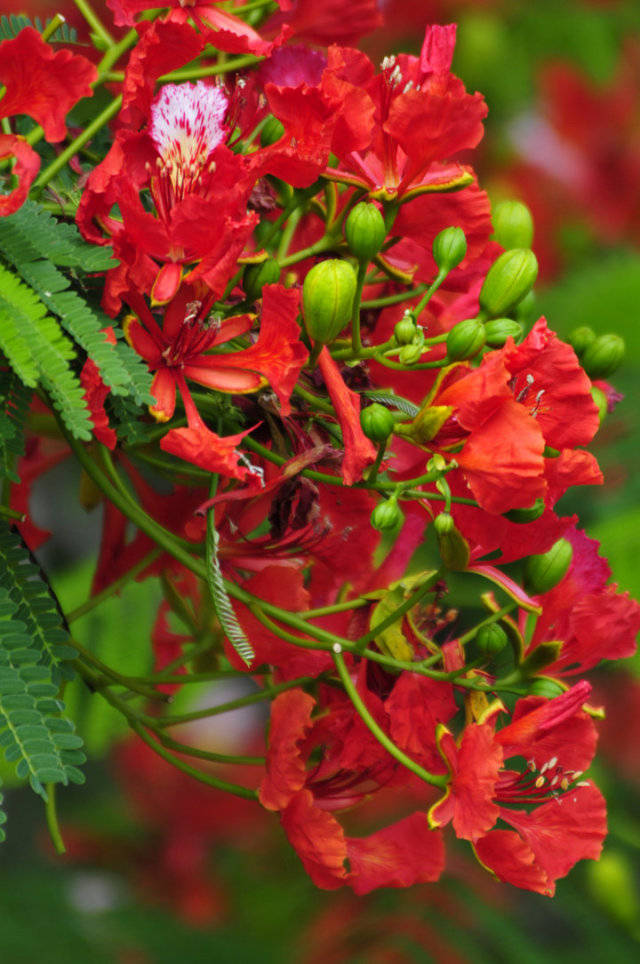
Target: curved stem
435	780
52	820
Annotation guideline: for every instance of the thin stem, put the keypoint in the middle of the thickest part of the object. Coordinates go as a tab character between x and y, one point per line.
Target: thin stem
237	704
435	780
52	820
342	607
94	22
207	755
113	587
356	340
494	617
394	299
103	118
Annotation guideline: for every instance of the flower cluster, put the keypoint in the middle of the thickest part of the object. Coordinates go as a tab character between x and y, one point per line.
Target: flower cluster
356	424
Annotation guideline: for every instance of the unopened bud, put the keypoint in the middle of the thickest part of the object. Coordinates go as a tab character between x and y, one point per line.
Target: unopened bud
405	330
377	422
509	279
409	354
543	572
601	401
256	276
603	356
528	514
272	131
386	515
449	248
365	231
491	639
454	548
544	686
498	330
580	339
327	299
513	225
465	339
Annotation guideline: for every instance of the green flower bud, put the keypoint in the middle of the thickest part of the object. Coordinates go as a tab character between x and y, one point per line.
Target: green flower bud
465	339
365	231
491	639
272	131
499	329
377	422
529	514
454	548
449	248
386	515
544	686
327	299
405	330
409	354
603	356
543	572
509	279
257	275
513	225
601	401
580	339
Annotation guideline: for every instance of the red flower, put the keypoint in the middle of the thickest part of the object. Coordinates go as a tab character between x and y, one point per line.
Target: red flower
359	451
45	86
557	739
402	854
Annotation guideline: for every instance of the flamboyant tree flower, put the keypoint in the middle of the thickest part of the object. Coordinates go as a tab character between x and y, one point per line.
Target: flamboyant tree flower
184	348
44	85
557	739
352	766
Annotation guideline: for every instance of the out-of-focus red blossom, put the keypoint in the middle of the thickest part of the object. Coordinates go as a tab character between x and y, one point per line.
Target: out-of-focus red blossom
580	156
95	393
557	739
41	454
404	853
44	85
592	619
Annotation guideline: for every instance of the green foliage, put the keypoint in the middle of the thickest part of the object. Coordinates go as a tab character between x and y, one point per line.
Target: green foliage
35	736
14	404
11	26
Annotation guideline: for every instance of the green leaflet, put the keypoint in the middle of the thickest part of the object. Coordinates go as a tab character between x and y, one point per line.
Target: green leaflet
34	242
34	646
40	353
11	26
14	405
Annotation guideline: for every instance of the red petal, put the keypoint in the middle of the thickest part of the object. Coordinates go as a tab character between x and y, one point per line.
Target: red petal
286	765
359	451
408	852
25	170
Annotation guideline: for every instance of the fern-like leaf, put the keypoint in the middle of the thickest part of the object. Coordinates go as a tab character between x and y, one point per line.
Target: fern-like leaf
36	605
42	743
38	351
14	405
221	602
11	26
54	240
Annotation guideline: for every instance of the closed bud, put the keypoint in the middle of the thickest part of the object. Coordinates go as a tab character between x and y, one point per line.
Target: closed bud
454	548
543	572
544	686
405	330
580	339
365	231
528	514
603	356
409	354
257	275
449	248
377	422
386	515
498	330
601	401
491	639
465	340
272	131
513	225
327	299
509	279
